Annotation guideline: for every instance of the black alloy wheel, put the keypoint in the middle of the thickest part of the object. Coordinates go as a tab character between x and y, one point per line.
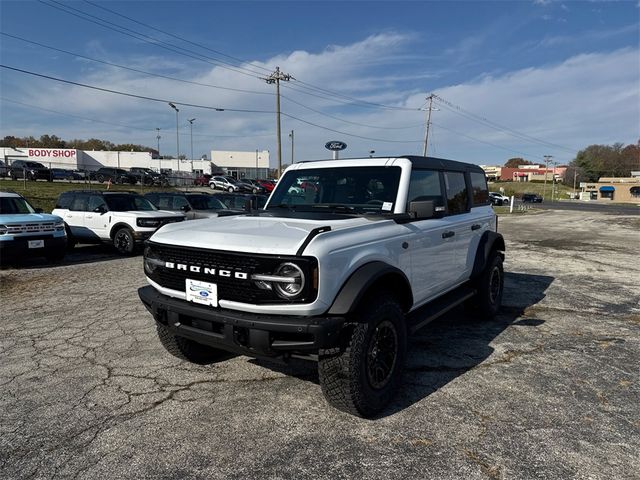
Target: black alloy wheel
382	354
124	242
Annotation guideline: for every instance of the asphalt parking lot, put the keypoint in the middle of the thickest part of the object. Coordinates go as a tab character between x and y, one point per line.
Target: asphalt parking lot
549	389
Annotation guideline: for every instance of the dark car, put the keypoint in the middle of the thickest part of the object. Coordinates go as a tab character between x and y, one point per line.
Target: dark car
243	201
146	176
116	175
531	198
29	170
254	186
193	205
64	174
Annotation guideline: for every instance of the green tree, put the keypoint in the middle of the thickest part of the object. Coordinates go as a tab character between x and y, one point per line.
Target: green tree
516	162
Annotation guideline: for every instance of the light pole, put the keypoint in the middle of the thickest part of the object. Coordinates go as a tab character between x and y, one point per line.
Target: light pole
158	138
291	137
191	120
257	176
177	134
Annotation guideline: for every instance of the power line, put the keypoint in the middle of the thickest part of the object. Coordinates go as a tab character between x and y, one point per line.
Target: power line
142	97
176	36
147	39
135	69
348	121
496	126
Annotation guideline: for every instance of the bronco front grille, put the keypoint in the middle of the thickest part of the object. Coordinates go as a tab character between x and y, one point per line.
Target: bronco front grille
42	227
232	288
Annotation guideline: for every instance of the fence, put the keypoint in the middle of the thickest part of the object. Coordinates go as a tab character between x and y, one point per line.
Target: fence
88	178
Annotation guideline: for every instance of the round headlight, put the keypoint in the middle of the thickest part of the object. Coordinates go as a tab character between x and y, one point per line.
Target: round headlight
291	289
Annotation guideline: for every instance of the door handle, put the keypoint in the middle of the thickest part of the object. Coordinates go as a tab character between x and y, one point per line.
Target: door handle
448	234
475	226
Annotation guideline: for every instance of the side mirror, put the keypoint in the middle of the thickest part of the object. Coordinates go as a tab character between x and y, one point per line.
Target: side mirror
185	208
100	209
422	210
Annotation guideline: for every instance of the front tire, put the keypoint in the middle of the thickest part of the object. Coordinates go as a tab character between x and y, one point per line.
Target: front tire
124	242
186	349
230	189
363	375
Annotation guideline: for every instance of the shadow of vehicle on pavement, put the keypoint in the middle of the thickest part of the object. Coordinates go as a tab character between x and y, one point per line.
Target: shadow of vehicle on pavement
450	346
80	254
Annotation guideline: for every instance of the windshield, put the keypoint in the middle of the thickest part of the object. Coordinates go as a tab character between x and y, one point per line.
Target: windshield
127	202
206	202
348	189
9	205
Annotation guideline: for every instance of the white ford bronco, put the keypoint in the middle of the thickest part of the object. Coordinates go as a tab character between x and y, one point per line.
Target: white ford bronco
124	219
329	270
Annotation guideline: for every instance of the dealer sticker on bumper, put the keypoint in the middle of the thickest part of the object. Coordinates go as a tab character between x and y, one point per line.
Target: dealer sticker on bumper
36	243
203	293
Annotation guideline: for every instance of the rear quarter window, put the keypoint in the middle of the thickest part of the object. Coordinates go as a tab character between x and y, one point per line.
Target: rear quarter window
64	200
479	189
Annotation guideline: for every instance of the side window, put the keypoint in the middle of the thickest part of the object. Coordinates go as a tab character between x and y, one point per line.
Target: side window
179	202
424	186
164	202
479	189
153	198
457	197
79	203
64	201
96	201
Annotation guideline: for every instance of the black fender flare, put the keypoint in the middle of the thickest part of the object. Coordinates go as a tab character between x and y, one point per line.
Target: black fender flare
489	242
118	226
363	279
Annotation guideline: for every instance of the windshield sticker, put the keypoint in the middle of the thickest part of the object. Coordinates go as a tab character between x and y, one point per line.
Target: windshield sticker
386	206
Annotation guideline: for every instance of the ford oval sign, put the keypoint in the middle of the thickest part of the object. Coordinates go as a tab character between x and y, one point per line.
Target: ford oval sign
335	145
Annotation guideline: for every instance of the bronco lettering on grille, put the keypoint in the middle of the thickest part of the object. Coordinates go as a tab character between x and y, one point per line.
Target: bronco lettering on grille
206	270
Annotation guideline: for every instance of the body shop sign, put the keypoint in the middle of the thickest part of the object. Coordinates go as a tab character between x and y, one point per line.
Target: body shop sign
51	153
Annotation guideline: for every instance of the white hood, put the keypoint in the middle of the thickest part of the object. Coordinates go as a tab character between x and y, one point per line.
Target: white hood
272	235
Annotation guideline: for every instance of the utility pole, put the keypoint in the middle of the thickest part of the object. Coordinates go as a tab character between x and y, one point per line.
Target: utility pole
291	137
275	77
575	176
158	137
547	159
426	136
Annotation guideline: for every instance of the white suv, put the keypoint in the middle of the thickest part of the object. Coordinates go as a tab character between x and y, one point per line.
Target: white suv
125	219
330	269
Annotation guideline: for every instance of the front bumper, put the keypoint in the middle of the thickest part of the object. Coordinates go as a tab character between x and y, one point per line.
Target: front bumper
241	332
19	246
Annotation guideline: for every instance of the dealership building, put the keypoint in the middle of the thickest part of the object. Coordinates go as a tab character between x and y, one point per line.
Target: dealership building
253	164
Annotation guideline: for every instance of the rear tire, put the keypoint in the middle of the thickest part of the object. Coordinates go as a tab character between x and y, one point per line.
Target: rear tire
186	349
363	375
490	287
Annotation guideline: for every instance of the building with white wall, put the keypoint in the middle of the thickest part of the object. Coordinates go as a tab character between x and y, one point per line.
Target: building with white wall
70	158
252	164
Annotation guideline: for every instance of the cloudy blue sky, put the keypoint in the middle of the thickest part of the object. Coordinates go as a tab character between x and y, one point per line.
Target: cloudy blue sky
519	78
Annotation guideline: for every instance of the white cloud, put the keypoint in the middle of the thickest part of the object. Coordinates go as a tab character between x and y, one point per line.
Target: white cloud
589	98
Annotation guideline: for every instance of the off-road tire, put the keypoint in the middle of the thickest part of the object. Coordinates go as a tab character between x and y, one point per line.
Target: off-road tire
124	242
100	178
348	374
186	349
490	288
71	240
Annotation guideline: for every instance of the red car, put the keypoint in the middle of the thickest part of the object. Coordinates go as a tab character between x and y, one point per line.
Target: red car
268	185
202	180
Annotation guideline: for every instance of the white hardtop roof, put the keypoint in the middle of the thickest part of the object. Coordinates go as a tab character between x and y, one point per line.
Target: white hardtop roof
10	194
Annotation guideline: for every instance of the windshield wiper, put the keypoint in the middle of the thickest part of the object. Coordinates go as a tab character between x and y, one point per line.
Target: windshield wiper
335	207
